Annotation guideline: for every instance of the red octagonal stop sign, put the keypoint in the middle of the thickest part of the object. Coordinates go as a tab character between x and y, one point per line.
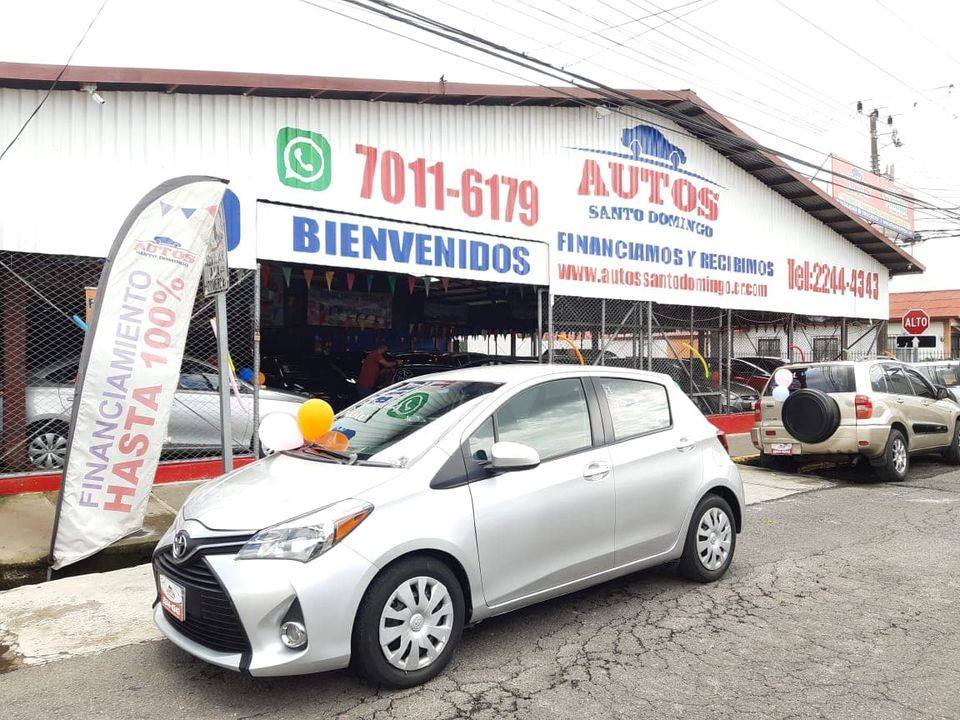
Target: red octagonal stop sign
916	322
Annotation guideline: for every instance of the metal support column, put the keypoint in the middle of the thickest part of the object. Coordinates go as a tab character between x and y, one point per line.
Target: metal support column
223	366
649	335
603	329
538	345
550	331
791	343
728	370
844	340
256	363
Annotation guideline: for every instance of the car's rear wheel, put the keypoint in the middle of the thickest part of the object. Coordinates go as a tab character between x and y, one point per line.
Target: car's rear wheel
894	464
47	444
952	452
409	623
711	541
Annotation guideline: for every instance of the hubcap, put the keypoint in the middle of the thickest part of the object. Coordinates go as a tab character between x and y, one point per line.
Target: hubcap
899	456
47	450
714	537
416	622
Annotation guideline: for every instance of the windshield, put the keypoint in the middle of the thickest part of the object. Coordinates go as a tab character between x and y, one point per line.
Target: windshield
945	375
826	378
386	417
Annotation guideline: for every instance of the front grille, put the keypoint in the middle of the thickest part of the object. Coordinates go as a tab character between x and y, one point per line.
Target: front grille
210	618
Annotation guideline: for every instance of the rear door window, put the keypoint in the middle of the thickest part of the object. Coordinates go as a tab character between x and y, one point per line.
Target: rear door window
897	380
825	378
636	407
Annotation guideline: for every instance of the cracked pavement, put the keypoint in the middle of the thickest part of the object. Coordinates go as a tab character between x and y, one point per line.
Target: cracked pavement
841	603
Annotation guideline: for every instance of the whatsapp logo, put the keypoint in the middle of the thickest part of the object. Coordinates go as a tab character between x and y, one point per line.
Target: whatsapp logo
303	159
409	405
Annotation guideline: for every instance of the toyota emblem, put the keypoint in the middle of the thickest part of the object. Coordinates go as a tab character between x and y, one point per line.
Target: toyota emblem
180	544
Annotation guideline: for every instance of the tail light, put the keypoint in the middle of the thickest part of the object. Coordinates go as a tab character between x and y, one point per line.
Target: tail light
864	407
757	413
722	437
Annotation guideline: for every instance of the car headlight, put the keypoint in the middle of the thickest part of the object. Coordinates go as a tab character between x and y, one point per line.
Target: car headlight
305	537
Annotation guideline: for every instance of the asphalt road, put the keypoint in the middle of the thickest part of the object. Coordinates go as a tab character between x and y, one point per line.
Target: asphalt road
841	603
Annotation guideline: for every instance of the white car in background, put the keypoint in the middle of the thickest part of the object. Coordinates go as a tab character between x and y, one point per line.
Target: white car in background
461	495
945	374
194	418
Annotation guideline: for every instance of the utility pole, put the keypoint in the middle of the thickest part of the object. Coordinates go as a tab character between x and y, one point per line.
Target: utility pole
874	150
874	116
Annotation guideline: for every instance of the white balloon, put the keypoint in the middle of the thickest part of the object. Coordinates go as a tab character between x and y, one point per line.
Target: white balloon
279	431
782	377
780	393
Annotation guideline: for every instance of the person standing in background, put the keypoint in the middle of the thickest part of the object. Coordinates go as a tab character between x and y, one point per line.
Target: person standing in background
373	363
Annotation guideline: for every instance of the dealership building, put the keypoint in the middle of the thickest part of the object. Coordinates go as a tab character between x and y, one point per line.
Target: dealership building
432	216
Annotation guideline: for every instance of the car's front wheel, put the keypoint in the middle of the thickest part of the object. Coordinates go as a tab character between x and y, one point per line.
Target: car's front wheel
952	452
409	623
47	444
711	541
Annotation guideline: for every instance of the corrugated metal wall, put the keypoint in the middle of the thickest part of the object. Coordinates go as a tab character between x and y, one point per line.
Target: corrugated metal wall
67	184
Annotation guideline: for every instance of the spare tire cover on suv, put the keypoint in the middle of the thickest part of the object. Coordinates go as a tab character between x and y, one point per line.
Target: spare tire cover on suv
810	416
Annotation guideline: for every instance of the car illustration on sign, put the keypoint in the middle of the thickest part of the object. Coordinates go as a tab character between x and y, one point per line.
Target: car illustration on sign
645	140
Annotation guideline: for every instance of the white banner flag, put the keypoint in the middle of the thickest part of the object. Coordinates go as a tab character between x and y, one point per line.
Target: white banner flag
130	366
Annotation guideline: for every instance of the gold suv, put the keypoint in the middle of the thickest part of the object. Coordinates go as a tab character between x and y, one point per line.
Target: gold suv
882	410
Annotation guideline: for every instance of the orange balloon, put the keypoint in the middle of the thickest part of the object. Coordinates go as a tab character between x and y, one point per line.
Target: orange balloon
315	418
333	440
263	379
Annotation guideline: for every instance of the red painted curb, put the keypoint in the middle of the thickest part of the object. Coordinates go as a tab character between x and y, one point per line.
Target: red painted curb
166	473
733	424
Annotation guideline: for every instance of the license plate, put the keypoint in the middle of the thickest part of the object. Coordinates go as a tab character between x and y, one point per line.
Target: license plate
781	449
173	597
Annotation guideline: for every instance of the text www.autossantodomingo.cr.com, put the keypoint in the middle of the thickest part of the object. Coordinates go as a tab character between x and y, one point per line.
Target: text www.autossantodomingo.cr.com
666	281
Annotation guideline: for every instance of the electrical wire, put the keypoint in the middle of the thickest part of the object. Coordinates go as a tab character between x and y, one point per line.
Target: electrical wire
731	117
474	42
56	80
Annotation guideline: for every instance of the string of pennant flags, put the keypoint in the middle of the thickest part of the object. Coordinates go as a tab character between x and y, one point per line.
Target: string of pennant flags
329	276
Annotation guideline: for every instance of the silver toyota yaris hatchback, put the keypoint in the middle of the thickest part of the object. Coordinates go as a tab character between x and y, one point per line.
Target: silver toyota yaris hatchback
462	495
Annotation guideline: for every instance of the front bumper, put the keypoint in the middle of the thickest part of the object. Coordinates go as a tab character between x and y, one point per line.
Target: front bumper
329	590
860	439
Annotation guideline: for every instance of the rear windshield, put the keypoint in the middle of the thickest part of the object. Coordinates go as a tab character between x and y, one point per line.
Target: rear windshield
826	378
386	417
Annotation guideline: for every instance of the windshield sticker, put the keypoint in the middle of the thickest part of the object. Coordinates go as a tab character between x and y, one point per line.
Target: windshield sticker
409	405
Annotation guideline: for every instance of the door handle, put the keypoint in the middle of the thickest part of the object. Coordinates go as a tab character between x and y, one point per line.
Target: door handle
685	445
596	471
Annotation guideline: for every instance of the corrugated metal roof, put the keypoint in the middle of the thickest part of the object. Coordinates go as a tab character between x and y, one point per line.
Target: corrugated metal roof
684	107
936	303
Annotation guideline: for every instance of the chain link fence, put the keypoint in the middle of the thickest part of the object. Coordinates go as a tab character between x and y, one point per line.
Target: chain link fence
46	304
721	358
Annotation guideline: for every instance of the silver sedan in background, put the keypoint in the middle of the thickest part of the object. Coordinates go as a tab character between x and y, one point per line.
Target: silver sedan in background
460	495
194	418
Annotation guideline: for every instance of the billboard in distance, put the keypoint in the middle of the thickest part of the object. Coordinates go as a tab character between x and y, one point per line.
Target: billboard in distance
874	198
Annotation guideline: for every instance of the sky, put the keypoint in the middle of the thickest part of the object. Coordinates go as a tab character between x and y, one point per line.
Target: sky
788	72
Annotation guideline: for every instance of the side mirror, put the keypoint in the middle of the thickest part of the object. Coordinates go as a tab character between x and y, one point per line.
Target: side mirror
513	456
943	393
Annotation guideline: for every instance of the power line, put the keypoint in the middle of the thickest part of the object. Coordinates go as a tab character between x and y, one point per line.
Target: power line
731	117
859	54
56	80
421	22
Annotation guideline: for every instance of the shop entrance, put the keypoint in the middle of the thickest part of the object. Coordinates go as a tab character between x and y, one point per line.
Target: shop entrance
318	324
